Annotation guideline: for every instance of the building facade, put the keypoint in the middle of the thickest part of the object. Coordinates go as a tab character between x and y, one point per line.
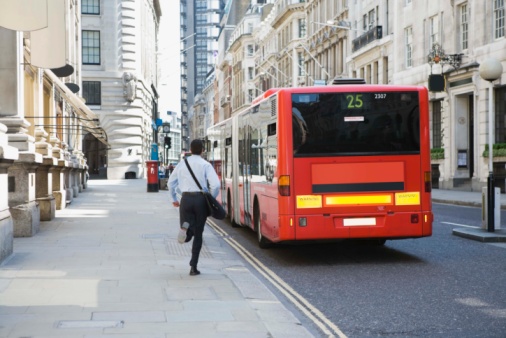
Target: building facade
120	81
200	21
43	119
305	43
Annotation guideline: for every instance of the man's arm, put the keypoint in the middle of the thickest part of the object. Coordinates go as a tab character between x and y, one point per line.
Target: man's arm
172	185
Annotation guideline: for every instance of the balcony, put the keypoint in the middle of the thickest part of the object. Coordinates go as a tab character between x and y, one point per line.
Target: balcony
375	33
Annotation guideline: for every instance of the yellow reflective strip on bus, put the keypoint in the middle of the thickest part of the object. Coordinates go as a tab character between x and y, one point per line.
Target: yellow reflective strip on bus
309	201
407	198
358	200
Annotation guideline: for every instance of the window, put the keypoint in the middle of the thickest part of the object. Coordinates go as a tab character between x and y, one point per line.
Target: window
500	115
463	27
409	47
498	18
91	47
250	50
436	125
250	73
372	19
90	7
302	28
390	125
434	31
92	92
251	95
300	62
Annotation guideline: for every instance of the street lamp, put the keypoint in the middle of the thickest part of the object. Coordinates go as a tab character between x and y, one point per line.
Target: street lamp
490	70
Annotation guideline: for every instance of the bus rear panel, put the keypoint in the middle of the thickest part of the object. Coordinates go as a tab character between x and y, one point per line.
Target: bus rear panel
361	165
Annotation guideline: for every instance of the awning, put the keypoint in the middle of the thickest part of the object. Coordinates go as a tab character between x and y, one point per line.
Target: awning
86	117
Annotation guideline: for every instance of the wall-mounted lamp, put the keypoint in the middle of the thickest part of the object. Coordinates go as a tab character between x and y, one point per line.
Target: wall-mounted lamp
438	56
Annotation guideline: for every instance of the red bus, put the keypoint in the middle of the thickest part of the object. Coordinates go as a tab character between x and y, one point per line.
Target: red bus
328	162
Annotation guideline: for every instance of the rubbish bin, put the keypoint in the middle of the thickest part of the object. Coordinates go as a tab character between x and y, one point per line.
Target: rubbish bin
152	168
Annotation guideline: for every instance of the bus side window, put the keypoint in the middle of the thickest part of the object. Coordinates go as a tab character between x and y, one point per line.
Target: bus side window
271	129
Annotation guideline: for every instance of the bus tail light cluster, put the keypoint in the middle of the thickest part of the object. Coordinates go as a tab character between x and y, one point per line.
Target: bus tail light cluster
414	218
284	185
302	221
428	181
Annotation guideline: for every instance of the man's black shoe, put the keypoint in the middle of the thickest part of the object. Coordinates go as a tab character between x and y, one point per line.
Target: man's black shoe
194	271
189	236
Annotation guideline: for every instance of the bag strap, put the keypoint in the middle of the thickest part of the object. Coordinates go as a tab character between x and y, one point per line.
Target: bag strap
193	175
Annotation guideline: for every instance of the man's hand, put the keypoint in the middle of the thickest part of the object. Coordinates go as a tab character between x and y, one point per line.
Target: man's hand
176	204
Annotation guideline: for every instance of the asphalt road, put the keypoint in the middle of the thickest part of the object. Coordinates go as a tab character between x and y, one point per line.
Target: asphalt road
441	286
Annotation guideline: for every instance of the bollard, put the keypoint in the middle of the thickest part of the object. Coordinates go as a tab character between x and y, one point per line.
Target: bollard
496	224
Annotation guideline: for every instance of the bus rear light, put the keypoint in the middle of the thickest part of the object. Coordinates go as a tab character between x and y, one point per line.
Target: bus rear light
414	218
303	221
284	185
428	181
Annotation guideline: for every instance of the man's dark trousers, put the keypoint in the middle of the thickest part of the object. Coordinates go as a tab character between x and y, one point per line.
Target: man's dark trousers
193	209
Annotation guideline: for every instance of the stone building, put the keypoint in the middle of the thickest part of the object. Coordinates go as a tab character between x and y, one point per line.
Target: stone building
232	15
453	39
42	116
383	42
120	79
199	33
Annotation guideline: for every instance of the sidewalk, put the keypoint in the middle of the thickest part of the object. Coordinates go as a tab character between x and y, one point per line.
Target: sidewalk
474	199
469	198
110	266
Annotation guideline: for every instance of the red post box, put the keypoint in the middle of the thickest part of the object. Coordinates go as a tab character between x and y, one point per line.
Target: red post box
152	168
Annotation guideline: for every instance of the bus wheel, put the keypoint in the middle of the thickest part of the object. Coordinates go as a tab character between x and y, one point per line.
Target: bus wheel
229	211
263	242
377	242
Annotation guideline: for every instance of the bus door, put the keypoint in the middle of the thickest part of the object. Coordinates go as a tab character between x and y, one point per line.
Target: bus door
247	176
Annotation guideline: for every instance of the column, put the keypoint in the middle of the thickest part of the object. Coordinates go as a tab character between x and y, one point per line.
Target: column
23	206
44	189
44	177
7	157
24	209
69	194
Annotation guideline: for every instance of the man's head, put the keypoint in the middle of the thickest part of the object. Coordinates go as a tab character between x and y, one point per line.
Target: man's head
196	147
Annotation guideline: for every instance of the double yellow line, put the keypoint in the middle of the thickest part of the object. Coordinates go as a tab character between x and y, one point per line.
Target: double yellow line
315	315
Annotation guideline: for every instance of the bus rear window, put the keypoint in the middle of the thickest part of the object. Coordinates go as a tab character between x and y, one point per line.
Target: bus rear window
358	123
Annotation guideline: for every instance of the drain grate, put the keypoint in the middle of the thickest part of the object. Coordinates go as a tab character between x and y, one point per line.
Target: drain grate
174	248
154	236
80	324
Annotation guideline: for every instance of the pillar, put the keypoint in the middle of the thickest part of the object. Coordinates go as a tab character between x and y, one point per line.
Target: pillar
8	155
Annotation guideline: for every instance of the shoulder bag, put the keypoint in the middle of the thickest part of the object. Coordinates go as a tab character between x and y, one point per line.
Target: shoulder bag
214	208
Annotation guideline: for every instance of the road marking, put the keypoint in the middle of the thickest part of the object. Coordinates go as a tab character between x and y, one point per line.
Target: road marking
461	225
318	318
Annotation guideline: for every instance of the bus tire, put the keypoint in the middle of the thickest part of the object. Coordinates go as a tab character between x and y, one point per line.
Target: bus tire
377	242
263	242
230	211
